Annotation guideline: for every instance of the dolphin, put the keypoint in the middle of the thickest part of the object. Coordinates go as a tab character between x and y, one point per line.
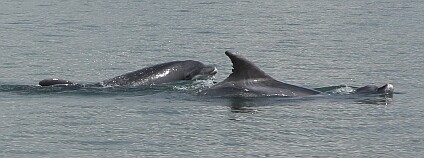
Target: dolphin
157	74
55	81
373	89
247	80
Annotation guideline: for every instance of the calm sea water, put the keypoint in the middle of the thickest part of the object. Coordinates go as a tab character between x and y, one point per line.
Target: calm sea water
311	43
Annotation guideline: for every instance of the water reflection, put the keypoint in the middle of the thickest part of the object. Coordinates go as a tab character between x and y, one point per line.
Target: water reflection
243	105
377	100
253	105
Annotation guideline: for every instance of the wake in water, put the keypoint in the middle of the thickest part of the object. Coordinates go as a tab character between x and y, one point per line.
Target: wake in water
191	87
351	92
246	82
191	90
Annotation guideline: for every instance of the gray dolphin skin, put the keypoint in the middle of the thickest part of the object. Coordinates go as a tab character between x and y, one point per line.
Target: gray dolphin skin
372	89
247	80
156	74
163	73
55	81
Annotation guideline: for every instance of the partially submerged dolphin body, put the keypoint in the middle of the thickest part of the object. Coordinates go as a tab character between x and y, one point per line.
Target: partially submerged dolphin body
55	81
156	74
370	89
247	80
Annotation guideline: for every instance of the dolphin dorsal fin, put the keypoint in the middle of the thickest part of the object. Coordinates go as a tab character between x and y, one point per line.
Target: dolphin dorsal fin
244	69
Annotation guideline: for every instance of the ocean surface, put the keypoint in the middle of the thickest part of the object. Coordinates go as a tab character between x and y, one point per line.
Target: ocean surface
315	44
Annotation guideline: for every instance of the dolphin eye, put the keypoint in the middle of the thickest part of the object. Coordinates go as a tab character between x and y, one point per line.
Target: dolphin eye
187	77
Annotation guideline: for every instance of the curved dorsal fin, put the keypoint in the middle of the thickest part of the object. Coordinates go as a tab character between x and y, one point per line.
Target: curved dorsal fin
243	68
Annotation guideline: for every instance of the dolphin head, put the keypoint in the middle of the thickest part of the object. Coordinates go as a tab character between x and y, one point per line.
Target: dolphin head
197	70
386	89
367	89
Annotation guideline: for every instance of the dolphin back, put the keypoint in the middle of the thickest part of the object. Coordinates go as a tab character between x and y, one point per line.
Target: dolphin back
54	81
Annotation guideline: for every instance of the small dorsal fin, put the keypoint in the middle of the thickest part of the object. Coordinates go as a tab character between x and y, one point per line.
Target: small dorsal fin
244	69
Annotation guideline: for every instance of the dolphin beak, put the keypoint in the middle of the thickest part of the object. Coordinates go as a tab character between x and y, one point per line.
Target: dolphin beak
214	71
209	70
206	72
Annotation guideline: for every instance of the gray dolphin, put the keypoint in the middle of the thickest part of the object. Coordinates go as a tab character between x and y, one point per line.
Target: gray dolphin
55	81
247	80
373	89
156	74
